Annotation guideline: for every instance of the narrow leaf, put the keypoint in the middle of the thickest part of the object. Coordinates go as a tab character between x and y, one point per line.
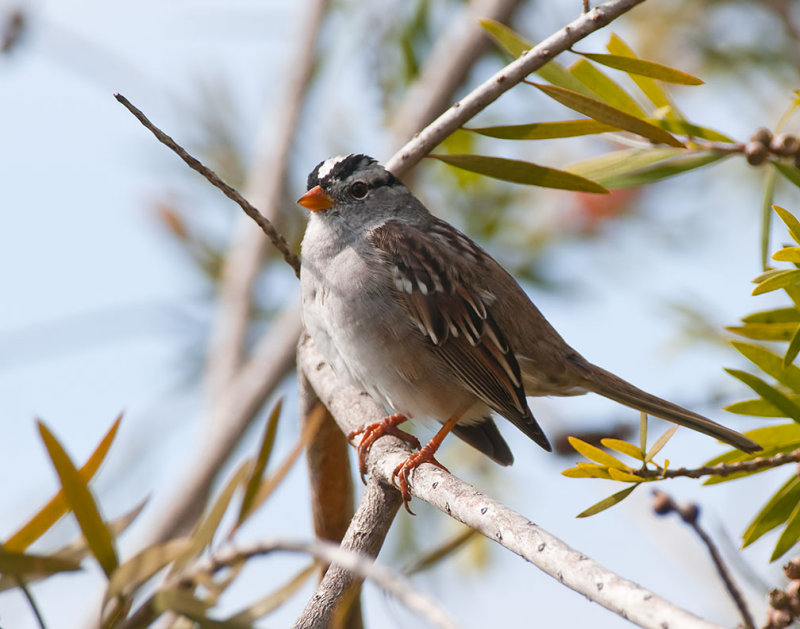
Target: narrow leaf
770	363
660	443
587	470
544	130
765	331
782	279
521	172
625	477
791	173
759	407
143	566
601	112
643	432
596	454
791	221
29	565
771	394
792	350
50	513
80	500
264	452
766	215
771	438
605	88
682	127
643	68
607	502
779	315
775	512
787	254
624	447
509	40
650	88
789	535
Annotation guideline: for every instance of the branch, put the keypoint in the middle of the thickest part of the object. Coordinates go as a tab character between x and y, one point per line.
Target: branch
352	409
662	505
491	89
725	469
195	164
353	562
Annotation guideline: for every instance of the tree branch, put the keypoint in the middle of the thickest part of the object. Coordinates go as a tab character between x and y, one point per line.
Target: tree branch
494	87
352	409
724	469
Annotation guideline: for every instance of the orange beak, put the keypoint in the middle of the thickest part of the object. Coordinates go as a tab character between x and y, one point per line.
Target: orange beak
315	200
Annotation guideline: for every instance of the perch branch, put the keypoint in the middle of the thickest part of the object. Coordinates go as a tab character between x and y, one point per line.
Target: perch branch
352	409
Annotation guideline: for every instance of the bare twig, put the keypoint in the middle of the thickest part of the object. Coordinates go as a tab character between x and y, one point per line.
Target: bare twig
31	602
354	562
725	469
689	513
491	89
266	226
352	409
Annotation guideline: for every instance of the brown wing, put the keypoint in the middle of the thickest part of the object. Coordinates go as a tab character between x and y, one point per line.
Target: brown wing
435	275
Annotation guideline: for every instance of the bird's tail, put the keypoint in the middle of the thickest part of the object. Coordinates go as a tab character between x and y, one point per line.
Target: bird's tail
608	385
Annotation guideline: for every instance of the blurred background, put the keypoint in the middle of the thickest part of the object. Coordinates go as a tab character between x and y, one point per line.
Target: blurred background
112	250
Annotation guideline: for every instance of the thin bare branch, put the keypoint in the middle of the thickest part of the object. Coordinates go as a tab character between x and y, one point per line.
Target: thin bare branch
266	226
494	87
725	469
357	563
689	513
352	409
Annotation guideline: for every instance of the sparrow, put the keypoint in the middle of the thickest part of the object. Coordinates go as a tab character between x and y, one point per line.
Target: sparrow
410	310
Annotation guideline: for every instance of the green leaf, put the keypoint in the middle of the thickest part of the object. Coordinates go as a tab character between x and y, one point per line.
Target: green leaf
509	40
601	112
605	88
778	315
682	127
80	500
596	454
587	470
774	439
30	565
204	532
520	172
607	502
787	254
660	443
791	221
641	67
555	73
771	394
50	513
775	512
790	534
791	173
765	331
624	447
544	130
766	215
781	279
792	350
264	452
630	168
143	566
771	364
625	477
759	407
650	88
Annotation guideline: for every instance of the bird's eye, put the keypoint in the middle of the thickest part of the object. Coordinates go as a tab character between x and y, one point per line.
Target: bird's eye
358	189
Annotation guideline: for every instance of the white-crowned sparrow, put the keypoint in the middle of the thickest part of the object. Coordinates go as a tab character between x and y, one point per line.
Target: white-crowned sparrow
416	314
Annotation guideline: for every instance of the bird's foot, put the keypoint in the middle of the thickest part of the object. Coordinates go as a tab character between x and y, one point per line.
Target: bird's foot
402	472
371	432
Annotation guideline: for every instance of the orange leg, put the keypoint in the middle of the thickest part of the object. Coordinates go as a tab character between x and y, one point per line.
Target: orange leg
387	426
424	455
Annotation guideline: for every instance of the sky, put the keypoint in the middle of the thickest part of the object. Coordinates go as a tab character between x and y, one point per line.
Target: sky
101	312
